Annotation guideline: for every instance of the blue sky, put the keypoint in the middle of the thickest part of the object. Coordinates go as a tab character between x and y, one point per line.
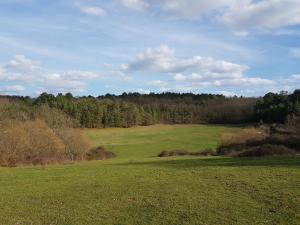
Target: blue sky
242	47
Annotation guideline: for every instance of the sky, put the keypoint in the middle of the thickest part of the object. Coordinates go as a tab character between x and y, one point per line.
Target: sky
94	47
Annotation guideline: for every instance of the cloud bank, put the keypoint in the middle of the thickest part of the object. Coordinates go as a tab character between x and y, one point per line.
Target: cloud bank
22	71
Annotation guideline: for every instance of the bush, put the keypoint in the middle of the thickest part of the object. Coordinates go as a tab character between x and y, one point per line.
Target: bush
34	142
55	118
76	145
99	154
290	141
250	142
206	152
266	150
30	142
15	111
173	153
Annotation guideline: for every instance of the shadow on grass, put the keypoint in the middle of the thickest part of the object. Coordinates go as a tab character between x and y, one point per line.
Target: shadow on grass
223	162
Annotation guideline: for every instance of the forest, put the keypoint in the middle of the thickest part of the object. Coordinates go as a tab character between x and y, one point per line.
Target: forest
133	109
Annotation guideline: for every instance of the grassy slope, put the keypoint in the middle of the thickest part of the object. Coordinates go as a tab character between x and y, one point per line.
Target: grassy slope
137	189
141	142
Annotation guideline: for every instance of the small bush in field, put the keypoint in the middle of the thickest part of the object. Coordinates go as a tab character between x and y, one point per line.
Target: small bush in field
173	153
266	150
206	152
99	154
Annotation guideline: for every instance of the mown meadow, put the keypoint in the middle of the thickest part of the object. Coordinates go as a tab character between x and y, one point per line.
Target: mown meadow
146	142
139	188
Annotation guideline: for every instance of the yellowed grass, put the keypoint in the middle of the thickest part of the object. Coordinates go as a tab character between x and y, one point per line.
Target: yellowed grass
243	136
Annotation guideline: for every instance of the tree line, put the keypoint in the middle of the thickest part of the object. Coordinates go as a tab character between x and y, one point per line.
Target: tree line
278	107
132	109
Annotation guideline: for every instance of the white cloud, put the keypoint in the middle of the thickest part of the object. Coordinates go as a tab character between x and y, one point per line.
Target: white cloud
21	64
12	89
62	83
143	91
262	15
90	10
241	16
22	70
163	59
292	80
69	81
135	4
296	77
202	71
193	9
95	11
228	93
295	52
222	81
2	73
157	83
78	75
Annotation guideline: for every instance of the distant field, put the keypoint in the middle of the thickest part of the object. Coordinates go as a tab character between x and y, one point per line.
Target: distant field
138	188
142	142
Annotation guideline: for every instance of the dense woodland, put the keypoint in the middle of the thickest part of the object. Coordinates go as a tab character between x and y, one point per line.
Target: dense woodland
132	109
278	108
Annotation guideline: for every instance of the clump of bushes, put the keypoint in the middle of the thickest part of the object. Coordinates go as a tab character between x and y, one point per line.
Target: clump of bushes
99	153
205	152
34	142
38	136
31	142
256	142
267	150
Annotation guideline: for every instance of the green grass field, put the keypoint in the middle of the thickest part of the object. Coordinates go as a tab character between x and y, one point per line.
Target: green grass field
138	188
145	142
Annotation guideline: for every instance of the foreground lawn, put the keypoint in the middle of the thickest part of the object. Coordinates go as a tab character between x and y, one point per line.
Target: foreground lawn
141	189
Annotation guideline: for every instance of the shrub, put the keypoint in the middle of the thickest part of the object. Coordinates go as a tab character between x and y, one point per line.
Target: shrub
45	147
290	141
13	144
76	145
34	142
55	118
266	150
173	153
15	111
206	152
99	154
251	142
31	142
